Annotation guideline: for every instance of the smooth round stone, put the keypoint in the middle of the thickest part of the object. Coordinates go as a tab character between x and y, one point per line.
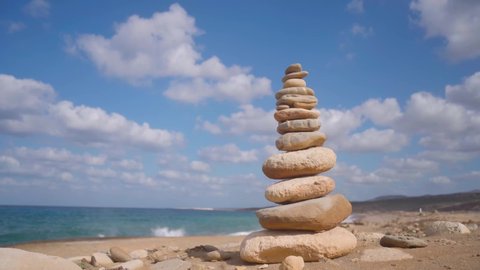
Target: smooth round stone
282	107
119	255
294	83
295	91
17	259
293	68
295	113
295	75
273	246
306	162
292	99
300	140
312	215
300	125
299	189
402	241
292	263
306	106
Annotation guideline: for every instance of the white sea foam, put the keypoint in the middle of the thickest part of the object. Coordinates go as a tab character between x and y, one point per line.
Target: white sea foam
351	219
100	235
241	233
165	231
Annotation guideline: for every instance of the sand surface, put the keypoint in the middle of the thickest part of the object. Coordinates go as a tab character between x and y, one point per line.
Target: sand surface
448	251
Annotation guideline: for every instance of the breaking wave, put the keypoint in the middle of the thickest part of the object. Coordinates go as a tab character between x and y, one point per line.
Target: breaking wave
241	233
165	231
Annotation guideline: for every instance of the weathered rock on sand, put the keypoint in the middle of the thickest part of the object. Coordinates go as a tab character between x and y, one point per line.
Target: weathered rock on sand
402	241
299	163
293	227
295	91
17	259
299	189
300	140
292	263
273	246
119	255
294	83
446	227
100	259
130	265
315	215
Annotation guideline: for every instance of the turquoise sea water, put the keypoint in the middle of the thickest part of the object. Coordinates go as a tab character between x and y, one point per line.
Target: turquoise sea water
36	223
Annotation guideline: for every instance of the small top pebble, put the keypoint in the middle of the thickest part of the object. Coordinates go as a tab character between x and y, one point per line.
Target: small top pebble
293	68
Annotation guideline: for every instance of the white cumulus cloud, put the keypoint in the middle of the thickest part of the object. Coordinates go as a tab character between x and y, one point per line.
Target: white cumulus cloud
143	49
228	153
28	107
457	21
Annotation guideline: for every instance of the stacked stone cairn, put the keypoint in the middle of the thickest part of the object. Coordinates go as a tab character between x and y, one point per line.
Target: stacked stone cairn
306	222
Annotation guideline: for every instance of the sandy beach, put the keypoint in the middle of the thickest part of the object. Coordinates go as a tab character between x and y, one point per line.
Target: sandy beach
444	251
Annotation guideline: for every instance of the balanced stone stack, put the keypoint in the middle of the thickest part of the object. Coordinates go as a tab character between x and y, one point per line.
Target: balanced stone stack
306	224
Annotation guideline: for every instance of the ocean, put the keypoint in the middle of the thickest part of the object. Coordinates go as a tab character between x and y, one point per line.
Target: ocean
19	224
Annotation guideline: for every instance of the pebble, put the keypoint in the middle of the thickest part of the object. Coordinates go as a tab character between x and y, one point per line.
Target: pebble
294	83
295	113
130	265
282	107
314	215
293	100
294	141
119	255
299	125
446	227
263	266
306	162
100	259
173	264
292	263
295	91
295	75
402	241
293	68
271	246
138	254
299	189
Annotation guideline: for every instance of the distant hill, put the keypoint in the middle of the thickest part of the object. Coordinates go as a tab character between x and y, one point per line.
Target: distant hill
466	201
388	197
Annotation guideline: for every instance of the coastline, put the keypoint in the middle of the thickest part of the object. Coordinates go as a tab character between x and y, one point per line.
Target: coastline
446	251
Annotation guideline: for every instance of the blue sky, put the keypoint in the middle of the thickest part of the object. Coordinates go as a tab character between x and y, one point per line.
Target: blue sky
170	104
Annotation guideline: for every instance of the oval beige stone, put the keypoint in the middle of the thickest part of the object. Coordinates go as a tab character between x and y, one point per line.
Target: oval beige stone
295	113
295	75
303	105
293	68
274	246
306	162
299	125
311	215
294	141
282	107
294	83
291	99
295	90
299	189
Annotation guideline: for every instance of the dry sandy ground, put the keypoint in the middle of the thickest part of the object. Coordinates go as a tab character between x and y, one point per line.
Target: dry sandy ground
443	251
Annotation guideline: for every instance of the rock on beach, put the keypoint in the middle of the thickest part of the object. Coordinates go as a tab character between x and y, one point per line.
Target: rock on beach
274	246
306	162
315	215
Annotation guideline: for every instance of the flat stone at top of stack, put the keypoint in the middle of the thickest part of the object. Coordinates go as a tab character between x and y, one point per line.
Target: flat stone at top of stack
307	222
